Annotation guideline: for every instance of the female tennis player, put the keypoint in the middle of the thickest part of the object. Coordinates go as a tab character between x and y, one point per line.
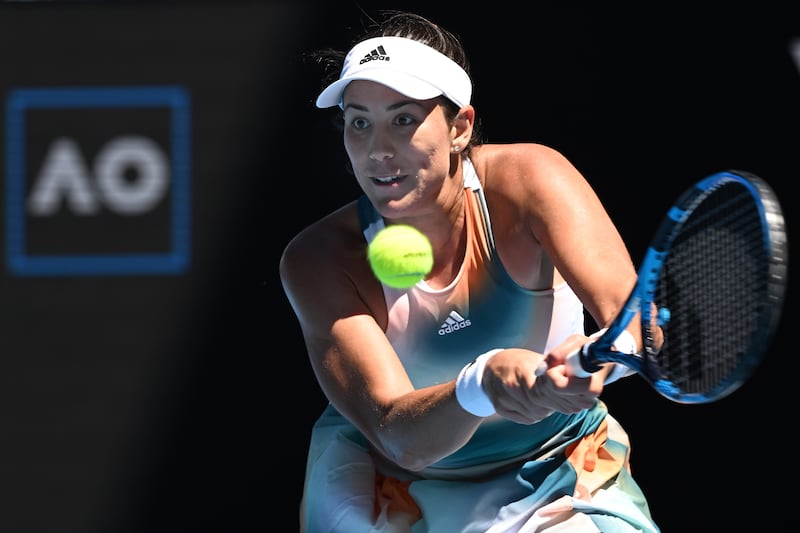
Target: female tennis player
437	420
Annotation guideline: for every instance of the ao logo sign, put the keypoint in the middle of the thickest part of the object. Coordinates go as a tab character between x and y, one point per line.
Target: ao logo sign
97	181
64	176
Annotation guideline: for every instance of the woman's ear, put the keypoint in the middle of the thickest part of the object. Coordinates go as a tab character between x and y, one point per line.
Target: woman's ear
462	127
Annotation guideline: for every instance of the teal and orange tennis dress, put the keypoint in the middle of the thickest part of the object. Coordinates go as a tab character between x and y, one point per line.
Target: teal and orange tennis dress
564	473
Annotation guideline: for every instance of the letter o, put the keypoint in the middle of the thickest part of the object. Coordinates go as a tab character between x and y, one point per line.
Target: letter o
127	196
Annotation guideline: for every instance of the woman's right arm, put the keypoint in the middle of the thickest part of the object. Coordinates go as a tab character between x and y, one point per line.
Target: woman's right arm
358	370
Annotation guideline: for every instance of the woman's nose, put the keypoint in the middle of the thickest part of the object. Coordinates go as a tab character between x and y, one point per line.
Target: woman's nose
381	149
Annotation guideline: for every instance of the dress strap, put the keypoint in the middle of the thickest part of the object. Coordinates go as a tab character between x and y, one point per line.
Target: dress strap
471	180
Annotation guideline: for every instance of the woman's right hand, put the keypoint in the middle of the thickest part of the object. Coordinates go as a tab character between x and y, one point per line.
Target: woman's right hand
510	380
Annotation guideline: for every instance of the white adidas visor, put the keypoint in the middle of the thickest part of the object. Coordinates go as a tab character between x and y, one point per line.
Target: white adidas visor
405	65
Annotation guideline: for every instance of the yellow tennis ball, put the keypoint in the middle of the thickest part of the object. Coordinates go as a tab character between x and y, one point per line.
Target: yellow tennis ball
400	256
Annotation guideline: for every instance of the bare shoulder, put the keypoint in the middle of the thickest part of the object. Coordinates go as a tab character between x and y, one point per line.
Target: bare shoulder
321	248
530	170
324	269
518	153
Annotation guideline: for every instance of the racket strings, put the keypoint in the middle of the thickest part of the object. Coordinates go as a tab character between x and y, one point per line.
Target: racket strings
714	284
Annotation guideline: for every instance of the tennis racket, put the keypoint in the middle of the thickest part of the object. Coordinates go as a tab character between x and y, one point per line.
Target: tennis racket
713	278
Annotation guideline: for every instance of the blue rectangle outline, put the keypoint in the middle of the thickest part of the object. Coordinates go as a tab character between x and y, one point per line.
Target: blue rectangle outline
21	99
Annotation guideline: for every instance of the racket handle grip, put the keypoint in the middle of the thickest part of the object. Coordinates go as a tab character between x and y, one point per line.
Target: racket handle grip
573	362
577	361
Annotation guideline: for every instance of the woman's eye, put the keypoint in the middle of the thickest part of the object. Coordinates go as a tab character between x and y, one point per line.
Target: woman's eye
405	120
359	123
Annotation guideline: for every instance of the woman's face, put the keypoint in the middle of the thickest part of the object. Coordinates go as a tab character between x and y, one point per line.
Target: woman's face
399	147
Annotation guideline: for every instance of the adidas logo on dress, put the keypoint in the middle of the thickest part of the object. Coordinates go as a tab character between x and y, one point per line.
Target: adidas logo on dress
378	54
453	323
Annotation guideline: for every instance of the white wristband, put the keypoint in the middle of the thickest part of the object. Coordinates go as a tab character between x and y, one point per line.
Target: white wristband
469	392
619	371
625	343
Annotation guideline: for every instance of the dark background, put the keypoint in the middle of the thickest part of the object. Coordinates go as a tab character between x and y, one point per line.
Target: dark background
184	403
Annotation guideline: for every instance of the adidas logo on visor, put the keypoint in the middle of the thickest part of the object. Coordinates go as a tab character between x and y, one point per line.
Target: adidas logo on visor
377	54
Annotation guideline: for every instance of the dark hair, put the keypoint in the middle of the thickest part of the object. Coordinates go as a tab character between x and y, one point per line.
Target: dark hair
410	26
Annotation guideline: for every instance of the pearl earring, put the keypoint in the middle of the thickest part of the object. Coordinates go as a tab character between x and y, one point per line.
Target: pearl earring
456	148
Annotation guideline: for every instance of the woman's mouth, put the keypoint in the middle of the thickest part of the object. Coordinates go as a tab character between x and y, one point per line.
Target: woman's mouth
387	180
